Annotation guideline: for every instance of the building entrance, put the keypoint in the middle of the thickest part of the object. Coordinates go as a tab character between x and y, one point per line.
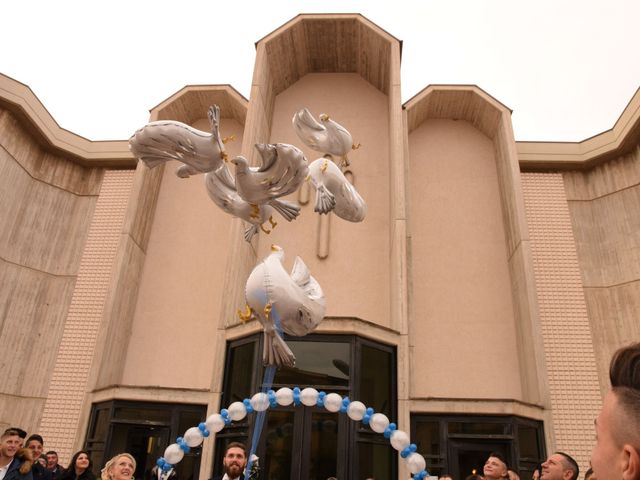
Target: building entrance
468	457
302	443
310	442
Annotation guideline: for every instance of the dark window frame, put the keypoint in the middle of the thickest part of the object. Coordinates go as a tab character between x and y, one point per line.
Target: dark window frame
105	444
512	422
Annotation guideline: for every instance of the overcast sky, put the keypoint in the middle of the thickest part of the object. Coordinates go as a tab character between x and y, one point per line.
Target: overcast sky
566	68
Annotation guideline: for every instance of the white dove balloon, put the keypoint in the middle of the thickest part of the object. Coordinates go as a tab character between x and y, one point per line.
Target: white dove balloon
284	168
335	192
161	141
325	136
221	187
292	302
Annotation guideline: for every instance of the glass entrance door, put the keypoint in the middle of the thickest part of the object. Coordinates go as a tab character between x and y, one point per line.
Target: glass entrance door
302	443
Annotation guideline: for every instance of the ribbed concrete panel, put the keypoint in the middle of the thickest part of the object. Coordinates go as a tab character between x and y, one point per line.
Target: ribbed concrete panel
568	343
73	363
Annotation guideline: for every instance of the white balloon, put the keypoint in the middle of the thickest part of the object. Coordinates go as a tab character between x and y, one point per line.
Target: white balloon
215	423
400	440
309	396
284	396
293	301
415	463
379	422
356	410
173	454
260	402
333	402
334	192
193	437
237	411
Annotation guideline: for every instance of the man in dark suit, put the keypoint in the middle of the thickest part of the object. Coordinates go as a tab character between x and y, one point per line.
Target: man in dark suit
234	462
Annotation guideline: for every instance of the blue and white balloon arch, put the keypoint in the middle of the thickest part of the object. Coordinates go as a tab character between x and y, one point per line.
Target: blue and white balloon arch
333	402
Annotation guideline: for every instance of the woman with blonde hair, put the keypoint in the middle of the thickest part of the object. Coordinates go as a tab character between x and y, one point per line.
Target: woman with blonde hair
120	467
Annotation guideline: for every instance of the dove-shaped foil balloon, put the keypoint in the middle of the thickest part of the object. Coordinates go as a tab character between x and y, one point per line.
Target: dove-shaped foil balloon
284	168
221	188
334	192
291	303
325	136
199	152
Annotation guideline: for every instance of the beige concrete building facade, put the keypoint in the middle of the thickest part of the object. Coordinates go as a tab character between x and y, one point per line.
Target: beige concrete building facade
479	302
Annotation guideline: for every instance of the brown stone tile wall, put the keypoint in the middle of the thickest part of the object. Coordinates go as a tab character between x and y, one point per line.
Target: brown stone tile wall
69	383
567	337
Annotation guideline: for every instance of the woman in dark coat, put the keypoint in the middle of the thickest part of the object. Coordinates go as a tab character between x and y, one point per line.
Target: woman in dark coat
79	467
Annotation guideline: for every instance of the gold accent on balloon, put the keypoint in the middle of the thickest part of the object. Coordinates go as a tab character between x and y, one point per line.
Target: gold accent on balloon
255	211
246	315
228	139
264	229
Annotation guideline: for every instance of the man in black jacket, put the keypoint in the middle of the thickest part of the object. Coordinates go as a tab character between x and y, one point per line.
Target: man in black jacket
35	443
53	466
12	467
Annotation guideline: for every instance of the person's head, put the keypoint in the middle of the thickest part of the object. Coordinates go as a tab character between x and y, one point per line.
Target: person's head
559	466
495	467
120	467
52	459
235	459
10	442
513	475
445	476
81	461
21	433
616	454
35	443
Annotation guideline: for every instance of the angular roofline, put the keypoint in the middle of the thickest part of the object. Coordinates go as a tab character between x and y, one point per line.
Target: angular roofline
464	86
480	109
311	16
20	100
611	143
192	87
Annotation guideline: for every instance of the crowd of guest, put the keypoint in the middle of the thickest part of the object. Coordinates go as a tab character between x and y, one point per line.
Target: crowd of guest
23	458
616	455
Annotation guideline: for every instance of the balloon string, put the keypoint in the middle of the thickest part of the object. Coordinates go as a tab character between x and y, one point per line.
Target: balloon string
267	383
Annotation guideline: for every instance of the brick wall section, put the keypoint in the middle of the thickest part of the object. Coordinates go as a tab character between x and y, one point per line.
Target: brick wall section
568	344
68	385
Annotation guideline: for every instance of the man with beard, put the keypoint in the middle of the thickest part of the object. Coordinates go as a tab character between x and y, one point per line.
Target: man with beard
234	462
616	455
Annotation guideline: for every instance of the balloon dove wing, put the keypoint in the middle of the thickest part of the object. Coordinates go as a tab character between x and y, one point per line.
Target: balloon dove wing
165	140
284	168
221	188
